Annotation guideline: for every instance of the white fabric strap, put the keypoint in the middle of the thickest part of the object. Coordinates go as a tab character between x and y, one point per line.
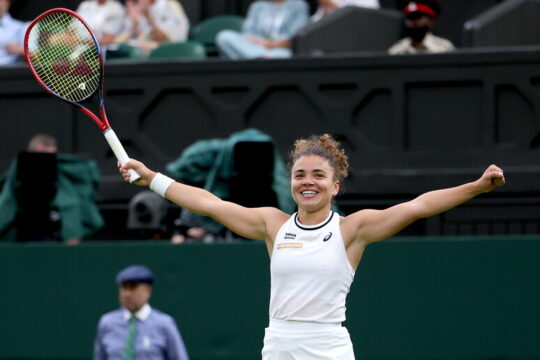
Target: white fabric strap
160	183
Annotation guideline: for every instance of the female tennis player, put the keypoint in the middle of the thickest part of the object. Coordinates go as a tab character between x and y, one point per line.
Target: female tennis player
314	252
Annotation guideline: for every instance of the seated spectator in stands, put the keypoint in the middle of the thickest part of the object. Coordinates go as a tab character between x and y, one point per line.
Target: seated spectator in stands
419	20
42	143
326	7
154	22
267	31
193	228
47	196
11	35
107	18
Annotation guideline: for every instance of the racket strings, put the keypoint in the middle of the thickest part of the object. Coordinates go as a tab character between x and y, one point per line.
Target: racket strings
65	56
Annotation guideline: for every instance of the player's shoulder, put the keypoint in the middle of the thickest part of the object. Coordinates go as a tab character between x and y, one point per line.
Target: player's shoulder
274	212
357	218
274	215
274	219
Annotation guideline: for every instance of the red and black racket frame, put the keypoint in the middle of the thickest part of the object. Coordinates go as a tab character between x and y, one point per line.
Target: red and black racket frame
103	122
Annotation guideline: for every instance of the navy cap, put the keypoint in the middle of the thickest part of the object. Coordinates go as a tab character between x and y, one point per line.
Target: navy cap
136	274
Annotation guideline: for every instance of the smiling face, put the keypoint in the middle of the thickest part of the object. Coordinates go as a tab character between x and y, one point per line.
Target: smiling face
313	183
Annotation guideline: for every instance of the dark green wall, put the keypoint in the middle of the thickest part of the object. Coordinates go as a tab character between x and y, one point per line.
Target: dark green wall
453	298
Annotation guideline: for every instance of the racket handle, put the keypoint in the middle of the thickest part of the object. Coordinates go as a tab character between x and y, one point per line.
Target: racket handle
119	152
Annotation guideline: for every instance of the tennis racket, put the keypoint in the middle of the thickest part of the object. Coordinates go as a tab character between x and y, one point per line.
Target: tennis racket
66	60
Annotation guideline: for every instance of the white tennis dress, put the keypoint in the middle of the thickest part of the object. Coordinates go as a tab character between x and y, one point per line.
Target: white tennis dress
310	279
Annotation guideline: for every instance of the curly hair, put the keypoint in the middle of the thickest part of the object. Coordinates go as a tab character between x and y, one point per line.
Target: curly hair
326	147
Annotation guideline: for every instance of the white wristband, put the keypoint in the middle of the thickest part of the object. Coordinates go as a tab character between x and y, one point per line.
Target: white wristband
160	183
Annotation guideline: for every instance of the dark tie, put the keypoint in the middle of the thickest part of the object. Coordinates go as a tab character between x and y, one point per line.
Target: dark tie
129	348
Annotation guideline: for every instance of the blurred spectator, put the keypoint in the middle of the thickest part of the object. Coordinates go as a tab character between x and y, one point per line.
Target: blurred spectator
267	31
326	7
106	18
136	330
48	196
42	143
419	20
154	22
11	35
190	227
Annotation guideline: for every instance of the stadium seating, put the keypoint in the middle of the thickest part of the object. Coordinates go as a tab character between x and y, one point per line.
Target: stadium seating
124	52
183	50
350	29
511	23
206	31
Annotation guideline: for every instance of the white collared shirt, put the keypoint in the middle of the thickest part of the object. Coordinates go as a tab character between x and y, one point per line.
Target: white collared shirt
430	44
169	16
106	18
142	314
157	337
11	32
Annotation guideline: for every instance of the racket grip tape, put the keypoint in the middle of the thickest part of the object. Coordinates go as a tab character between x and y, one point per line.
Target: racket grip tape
119	152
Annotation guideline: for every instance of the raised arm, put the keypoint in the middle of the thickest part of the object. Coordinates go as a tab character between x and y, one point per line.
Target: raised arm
374	225
252	223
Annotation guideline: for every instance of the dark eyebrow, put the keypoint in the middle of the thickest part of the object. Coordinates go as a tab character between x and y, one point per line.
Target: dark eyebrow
297	171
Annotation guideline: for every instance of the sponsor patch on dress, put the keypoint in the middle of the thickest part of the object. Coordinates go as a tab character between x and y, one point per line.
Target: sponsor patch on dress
290	245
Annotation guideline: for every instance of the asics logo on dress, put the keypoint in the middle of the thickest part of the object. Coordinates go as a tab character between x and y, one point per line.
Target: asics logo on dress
327	237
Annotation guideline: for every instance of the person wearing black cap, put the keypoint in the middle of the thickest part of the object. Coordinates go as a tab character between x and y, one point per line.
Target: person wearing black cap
419	20
136	330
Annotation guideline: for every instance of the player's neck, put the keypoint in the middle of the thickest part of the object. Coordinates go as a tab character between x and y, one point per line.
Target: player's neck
313	217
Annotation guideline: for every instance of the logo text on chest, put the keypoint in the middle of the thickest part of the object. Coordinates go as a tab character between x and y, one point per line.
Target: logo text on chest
290	236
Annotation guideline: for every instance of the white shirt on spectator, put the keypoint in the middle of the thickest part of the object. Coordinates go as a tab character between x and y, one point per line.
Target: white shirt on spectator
106	18
430	44
373	4
170	17
11	32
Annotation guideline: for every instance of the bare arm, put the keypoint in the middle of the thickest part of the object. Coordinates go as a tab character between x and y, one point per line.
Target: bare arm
14	49
251	223
268	43
374	225
157	34
134	13
107	39
328	4
284	43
